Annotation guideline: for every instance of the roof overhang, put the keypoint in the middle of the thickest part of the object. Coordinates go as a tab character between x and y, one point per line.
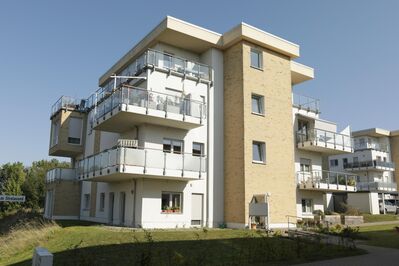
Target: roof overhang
300	73
188	36
372	132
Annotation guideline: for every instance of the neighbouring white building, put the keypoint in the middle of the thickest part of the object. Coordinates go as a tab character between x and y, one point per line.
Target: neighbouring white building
372	162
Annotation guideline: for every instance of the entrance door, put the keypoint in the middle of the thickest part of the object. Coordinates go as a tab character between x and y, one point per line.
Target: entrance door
122	201
111	208
197	209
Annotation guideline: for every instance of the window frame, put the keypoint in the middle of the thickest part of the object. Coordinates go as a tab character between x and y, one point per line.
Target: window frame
262	152
202	149
172	146
311	208
171	209
260	58
101	206
86	201
260	104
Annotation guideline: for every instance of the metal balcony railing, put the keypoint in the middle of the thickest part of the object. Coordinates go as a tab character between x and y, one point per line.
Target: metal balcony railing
122	157
68	103
60	174
373	146
326	138
376	186
326	177
368	164
151	100
306	103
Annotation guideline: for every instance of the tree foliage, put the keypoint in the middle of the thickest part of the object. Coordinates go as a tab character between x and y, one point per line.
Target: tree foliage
15	179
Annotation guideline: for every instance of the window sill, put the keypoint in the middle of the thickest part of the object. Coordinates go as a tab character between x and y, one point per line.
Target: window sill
258	162
257	68
172	213
258	114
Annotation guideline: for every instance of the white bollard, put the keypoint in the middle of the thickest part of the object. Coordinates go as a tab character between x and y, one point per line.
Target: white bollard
42	257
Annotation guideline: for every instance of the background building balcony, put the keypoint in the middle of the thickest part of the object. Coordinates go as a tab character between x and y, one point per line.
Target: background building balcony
370	165
324	141
306	103
60	174
129	106
124	163
377	186
326	181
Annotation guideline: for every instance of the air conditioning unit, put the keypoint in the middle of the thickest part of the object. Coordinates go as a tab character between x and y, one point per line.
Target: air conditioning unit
128	143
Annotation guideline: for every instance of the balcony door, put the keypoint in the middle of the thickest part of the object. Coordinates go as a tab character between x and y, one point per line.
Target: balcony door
305	169
197	209
111	208
303	129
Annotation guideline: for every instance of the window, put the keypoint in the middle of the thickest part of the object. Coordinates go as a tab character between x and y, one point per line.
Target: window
102	201
256	58
55	129
173	146
257	104
307	206
345	161
258	152
171	202
305	165
86	201
75	130
198	149
334	162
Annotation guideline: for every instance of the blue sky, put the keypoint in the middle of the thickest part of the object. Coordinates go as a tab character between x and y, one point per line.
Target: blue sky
54	48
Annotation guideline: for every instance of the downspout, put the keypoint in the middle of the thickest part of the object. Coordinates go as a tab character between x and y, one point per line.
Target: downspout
134	202
207	157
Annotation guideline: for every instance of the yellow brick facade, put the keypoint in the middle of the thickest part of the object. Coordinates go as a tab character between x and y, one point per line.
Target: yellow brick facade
66	197
243	178
394	140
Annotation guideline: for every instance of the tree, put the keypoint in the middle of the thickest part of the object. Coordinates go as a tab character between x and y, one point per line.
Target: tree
12	176
34	187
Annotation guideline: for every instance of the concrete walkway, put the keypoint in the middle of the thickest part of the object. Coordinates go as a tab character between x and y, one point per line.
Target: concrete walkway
376	256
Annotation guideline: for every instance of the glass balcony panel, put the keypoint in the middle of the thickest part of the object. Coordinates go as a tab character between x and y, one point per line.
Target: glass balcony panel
134	157
155	159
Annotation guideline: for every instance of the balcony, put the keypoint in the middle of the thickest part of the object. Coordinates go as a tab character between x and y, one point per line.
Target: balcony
323	141
326	181
124	163
129	106
370	166
306	103
68	104
60	174
370	146
377	186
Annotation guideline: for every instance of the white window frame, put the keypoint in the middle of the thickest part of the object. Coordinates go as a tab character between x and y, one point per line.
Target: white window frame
202	149
335	164
171	204
260	104
81	131
310	211
262	150
86	201
260	58
102	202
172	141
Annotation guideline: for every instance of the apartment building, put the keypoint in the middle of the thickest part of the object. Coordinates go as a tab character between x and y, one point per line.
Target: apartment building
189	128
373	162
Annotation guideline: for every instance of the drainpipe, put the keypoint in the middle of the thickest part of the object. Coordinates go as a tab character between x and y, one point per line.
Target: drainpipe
383	203
134	202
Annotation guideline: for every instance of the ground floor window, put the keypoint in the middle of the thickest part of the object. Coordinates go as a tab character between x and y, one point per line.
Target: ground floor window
86	201
102	202
307	206
171	202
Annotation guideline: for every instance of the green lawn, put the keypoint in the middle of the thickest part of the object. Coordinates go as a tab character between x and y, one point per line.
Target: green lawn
89	244
380	235
369	218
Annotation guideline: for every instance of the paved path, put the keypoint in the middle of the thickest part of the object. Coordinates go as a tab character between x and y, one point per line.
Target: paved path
376	256
379	223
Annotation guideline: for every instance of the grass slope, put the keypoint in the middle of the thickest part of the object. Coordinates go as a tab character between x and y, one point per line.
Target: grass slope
89	244
380	235
369	218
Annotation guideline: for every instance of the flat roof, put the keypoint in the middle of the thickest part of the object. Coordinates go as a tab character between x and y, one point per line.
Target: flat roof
372	132
188	36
